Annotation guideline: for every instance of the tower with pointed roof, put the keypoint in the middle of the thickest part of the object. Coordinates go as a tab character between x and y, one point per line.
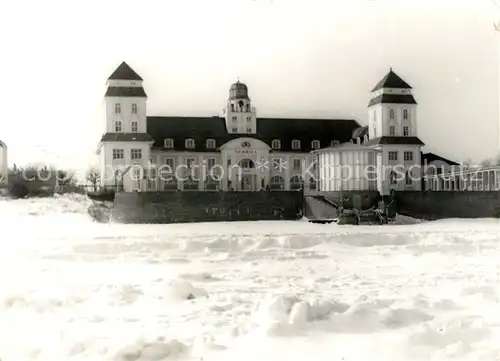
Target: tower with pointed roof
392	128
125	140
240	116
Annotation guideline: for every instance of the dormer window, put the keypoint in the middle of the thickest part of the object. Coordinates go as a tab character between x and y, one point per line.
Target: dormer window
189	143
391	114
210	143
295	144
405	114
333	143
315	144
118	126
276	144
118	108
134	108
168	143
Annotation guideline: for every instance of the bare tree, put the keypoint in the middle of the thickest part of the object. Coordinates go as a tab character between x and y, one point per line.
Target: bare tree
93	177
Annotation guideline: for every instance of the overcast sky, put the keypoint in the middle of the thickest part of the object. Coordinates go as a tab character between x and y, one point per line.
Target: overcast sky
307	58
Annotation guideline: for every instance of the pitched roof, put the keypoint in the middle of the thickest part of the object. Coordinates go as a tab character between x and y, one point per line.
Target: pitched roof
124	72
268	129
126	137
393	98
395	141
115	91
431	157
391	80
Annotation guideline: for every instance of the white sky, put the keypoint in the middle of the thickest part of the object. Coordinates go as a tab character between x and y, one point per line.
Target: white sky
307	58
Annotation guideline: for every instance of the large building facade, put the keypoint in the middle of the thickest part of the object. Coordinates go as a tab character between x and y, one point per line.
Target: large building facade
239	151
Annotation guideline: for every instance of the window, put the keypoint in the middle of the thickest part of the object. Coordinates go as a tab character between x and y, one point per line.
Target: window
118	154
406	131
134	127
168	143
295	144
315	144
232	108
249	119
210	143
118	126
334	143
229	162
169	162
210	163
235	130
408	179
391	113
392	177
393	155
135	153
249	130
408	156
235	118
134	108
189	143
118	108
405	114
276	144
297	164
392	130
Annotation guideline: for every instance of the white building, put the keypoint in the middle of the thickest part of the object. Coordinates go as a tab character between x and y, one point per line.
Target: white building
242	152
247	153
4	172
389	146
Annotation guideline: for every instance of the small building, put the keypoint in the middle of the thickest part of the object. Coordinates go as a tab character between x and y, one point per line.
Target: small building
4	170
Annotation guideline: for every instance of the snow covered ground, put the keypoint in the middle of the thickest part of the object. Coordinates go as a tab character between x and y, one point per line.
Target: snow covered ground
71	289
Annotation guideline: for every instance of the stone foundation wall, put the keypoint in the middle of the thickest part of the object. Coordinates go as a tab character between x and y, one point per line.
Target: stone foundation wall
184	207
432	205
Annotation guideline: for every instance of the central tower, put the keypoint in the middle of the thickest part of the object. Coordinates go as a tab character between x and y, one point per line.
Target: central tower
239	114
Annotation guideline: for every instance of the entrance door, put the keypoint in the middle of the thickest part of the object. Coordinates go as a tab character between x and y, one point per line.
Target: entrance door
246	183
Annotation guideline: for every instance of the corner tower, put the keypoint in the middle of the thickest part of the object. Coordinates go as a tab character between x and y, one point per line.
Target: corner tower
392	129
239	114
392	110
125	141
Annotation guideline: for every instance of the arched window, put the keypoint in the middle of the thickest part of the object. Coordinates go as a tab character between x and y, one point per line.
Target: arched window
296	182
315	144
210	143
295	144
277	183
391	113
246	163
168	143
405	114
189	143
276	144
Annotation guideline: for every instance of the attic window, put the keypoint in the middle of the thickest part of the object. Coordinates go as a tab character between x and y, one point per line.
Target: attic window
168	143
210	143
315	144
276	144
189	143
295	144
